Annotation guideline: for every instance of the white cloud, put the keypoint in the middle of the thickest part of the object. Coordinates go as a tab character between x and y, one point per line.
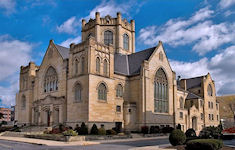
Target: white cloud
221	67
8	6
67	42
111	8
69	26
13	54
197	30
226	3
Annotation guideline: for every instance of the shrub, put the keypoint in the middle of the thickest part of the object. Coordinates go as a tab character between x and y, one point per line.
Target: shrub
177	137
83	130
152	130
178	126
145	129
111	132
102	131
207	144
94	129
70	132
210	132
167	129
77	128
190	133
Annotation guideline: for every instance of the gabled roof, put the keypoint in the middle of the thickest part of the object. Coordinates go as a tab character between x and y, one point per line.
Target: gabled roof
192	96
64	52
130	65
194	82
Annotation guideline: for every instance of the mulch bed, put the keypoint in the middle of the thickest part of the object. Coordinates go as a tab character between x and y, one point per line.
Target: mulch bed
182	147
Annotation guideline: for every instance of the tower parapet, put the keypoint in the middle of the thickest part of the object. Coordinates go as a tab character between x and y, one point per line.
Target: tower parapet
120	28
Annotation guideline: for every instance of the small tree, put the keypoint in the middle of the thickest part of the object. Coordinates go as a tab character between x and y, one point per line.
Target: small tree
94	129
83	130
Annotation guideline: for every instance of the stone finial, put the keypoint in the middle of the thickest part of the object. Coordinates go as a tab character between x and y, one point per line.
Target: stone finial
119	18
51	41
83	22
133	25
97	17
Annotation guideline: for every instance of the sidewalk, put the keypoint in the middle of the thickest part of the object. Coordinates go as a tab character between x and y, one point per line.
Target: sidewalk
46	142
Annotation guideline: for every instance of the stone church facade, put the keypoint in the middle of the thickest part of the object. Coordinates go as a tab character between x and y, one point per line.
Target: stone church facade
103	80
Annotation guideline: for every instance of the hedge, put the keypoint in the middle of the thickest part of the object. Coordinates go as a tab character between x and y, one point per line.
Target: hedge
207	144
177	137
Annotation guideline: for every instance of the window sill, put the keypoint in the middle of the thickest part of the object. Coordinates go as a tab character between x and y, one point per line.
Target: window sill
102	101
158	113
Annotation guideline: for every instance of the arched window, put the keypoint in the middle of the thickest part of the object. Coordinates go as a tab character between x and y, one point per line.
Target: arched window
83	65
23	102
98	65
209	90
78	93
108	37
181	102
160	92
102	92
119	91
50	80
105	67
126	42
76	66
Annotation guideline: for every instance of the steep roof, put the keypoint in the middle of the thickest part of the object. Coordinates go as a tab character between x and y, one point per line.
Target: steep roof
64	52
192	96
194	82
130	64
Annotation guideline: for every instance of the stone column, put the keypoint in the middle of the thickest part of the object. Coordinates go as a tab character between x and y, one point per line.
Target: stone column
33	120
60	114
39	115
51	114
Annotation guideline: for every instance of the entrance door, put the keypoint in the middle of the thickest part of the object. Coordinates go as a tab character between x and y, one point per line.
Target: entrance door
48	118
194	123
118	126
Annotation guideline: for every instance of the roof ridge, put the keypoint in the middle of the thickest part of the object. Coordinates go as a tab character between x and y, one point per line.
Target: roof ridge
142	50
193	77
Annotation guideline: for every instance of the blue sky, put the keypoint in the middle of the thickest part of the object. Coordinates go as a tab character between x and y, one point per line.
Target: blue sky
198	35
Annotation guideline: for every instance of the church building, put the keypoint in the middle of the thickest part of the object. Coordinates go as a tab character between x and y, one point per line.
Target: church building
103	80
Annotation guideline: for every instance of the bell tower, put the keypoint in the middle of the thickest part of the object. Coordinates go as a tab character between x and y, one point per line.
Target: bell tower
116	32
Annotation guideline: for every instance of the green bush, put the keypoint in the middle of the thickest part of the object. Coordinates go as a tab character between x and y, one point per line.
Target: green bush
83	130
111	132
207	144
177	137
102	131
70	132
190	133
94	129
210	132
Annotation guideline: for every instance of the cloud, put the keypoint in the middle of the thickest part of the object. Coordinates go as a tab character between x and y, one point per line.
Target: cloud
67	42
13	54
220	66
226	3
69	26
111	8
197	30
8	6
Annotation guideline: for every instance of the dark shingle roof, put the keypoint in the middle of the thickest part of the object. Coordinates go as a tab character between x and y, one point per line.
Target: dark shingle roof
192	96
64	52
194	82
130	64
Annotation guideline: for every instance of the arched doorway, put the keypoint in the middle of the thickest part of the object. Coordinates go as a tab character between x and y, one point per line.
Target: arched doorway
194	123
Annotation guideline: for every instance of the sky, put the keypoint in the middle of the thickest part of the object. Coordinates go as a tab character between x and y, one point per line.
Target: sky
198	35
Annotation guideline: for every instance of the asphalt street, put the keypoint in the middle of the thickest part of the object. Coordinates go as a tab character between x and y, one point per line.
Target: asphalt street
10	145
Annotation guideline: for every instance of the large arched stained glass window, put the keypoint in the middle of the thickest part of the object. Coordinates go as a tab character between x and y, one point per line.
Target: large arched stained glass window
126	42
160	92
78	93
102	92
50	80
108	37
